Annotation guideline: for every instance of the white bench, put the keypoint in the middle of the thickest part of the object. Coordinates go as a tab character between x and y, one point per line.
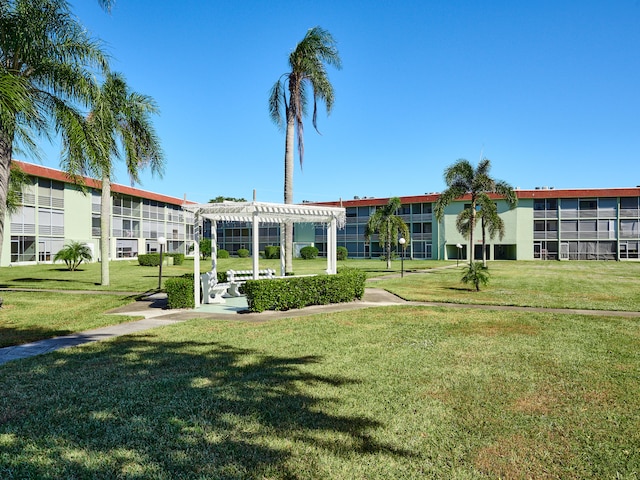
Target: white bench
212	291
238	277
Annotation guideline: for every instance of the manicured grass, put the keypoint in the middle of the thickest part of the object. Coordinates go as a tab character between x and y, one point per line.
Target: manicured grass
128	276
30	316
588	285
393	392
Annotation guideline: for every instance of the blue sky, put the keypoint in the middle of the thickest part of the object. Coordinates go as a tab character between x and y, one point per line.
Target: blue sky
547	90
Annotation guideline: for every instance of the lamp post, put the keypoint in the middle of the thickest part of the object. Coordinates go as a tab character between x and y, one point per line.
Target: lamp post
402	241
459	247
162	242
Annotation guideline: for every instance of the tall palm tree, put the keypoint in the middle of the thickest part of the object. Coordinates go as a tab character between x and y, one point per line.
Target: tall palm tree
118	127
46	65
463	179
17	180
388	226
289	95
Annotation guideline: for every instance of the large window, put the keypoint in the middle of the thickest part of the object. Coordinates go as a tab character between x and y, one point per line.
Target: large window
23	249
50	193
24	221
50	222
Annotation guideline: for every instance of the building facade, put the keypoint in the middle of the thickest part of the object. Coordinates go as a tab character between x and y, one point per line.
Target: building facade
547	224
55	210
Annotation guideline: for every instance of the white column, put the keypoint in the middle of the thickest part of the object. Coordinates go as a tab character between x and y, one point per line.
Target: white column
196	261
214	249
332	239
255	255
282	247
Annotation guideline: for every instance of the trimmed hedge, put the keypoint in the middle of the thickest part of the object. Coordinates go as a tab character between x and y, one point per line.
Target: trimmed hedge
243	253
342	253
178	258
309	252
288	293
272	252
179	291
149	260
222	253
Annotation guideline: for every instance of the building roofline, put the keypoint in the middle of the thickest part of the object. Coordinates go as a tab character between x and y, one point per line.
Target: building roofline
521	194
59	175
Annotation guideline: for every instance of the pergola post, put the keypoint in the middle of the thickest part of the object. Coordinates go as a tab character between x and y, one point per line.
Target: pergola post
256	244
214	248
282	252
196	261
332	235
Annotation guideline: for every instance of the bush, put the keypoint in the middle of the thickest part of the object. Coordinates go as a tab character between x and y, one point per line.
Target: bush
178	258
342	253
205	248
149	259
271	252
309	252
243	252
288	293
179	291
222	253
74	254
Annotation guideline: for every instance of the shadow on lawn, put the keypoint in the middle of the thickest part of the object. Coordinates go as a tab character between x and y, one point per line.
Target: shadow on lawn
175	410
19	336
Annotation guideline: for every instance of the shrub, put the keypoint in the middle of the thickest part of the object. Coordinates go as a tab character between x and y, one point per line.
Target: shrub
288	293
476	274
149	259
205	248
271	252
243	252
222	253
179	291
309	252
178	258
342	253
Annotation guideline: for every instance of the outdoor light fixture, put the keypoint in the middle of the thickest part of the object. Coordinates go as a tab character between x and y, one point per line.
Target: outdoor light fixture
459	247
162	242
402	241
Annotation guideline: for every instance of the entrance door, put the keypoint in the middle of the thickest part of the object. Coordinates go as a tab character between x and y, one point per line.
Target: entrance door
564	251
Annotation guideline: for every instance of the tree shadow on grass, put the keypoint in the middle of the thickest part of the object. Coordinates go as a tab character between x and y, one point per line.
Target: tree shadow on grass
174	410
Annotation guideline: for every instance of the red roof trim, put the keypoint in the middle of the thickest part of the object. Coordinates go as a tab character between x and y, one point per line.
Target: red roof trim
54	174
521	194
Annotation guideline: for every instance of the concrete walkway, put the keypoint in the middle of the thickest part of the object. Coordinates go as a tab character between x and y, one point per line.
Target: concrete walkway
152	308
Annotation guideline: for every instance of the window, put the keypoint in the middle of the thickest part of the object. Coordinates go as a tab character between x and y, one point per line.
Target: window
51	193
591	204
24	220
23	249
50	222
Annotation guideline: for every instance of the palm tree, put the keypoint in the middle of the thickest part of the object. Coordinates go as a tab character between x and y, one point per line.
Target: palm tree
46	62
462	179
17	180
118	126
307	62
387	225
73	254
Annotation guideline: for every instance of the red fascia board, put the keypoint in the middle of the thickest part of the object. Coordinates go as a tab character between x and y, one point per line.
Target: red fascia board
53	174
521	194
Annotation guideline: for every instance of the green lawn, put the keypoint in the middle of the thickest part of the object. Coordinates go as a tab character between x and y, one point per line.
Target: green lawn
30	316
588	285
390	392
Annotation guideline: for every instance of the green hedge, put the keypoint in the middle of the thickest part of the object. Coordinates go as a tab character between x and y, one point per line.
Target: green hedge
342	253
272	252
243	253
288	293
179	291
222	253
309	252
178	258
149	259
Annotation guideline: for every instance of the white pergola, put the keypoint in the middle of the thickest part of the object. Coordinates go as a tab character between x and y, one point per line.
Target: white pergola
257	213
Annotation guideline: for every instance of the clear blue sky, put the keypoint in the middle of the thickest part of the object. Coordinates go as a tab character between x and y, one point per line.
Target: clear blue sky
547	90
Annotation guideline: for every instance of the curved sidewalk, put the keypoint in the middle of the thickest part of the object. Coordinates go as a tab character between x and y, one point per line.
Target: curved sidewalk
152	308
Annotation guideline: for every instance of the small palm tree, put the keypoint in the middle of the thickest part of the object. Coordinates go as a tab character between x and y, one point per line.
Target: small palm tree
475	274
388	226
307	62
74	254
119	125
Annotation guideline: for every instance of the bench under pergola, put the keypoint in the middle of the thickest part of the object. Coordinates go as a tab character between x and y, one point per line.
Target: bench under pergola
258	213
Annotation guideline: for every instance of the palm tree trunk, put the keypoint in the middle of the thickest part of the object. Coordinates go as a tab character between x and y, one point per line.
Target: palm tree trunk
484	244
288	191
472	227
105	226
5	169
388	247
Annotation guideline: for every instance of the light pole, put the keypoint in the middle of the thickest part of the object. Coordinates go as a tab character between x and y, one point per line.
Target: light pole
459	247
402	241
162	242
